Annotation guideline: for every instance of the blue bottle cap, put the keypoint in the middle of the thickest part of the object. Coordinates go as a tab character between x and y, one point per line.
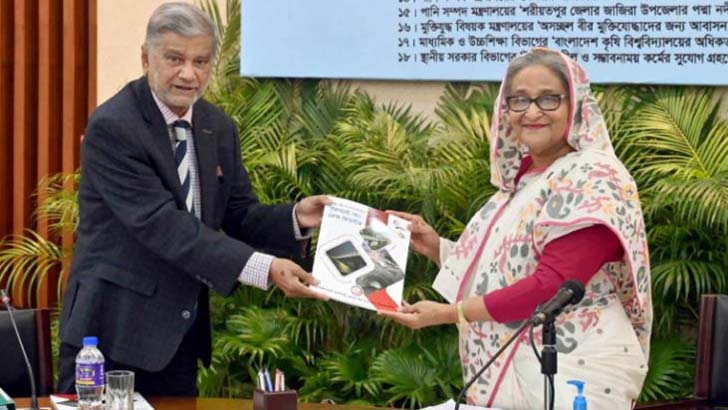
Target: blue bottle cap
91	341
579	400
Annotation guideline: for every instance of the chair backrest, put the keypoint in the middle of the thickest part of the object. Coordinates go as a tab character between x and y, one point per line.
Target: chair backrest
34	329
711	374
711	368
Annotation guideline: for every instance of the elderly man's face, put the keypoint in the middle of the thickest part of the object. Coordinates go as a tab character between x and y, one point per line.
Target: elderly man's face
178	69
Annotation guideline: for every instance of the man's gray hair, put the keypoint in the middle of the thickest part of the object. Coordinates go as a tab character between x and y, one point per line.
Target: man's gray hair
184	19
542	57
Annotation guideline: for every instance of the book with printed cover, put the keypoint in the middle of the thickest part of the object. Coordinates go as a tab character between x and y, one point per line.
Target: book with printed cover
361	255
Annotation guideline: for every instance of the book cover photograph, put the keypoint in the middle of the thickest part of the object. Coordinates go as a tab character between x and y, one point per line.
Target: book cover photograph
361	255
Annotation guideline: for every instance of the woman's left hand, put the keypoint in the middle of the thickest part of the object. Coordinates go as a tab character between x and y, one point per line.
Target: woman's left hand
423	314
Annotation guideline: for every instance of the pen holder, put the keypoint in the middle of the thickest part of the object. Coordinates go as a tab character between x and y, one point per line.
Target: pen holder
275	400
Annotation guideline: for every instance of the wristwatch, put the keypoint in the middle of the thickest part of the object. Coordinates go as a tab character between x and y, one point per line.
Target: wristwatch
462	320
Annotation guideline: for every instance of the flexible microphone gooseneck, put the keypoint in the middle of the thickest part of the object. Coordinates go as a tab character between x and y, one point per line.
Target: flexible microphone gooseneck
470	382
34	396
570	292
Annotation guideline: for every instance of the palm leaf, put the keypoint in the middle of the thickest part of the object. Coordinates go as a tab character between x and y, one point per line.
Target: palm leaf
60	204
687	262
26	260
441	351
349	370
676	145
670	373
409	379
319	115
319	387
255	333
310	324
684	278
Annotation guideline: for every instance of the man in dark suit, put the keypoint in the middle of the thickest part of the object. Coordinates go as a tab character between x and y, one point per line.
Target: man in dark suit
167	213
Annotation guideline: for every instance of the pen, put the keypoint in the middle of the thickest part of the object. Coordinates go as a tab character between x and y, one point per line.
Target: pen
269	385
278	380
261	381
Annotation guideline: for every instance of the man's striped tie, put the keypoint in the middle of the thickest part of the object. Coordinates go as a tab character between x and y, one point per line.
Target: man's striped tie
182	131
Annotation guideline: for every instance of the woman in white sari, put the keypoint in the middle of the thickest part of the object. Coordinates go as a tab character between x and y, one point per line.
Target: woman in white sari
566	208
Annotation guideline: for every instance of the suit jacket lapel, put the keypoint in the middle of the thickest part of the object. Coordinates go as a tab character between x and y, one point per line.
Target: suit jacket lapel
206	147
160	145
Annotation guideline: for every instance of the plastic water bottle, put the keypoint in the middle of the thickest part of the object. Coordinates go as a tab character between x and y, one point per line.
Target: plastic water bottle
90	375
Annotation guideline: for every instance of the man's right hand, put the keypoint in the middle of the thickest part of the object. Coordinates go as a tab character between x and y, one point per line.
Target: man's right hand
293	280
424	238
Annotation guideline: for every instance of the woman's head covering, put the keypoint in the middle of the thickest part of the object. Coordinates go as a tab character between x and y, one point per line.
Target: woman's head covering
586	129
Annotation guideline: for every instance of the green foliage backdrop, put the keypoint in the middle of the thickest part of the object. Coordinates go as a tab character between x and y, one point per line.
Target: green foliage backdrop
309	137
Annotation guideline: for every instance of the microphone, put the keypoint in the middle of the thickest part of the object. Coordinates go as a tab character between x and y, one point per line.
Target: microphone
34	396
570	293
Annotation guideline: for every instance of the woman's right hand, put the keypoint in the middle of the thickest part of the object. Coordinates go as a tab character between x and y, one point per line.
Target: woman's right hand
424	238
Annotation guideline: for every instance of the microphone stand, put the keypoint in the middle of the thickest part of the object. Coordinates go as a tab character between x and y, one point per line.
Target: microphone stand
549	362
570	293
33	393
526	324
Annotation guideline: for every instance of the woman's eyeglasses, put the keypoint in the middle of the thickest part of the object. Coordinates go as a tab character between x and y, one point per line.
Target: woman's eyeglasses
550	102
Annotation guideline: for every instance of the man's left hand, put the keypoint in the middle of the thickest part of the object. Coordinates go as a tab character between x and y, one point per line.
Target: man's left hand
310	210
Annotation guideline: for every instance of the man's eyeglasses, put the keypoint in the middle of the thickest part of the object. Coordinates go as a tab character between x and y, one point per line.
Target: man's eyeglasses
550	102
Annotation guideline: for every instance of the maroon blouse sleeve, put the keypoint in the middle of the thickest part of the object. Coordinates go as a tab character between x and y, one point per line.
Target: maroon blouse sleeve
578	255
